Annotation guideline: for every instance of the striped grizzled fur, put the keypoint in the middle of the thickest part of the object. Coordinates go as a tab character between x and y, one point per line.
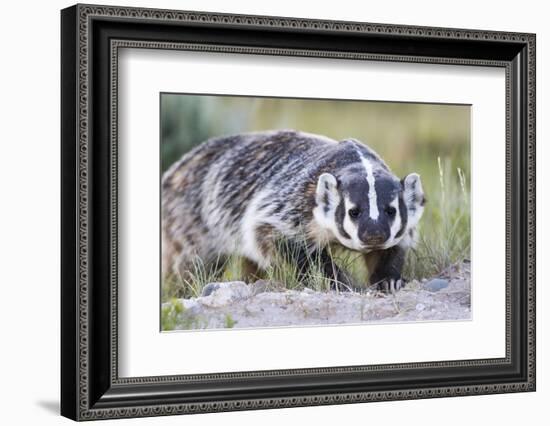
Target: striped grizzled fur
239	195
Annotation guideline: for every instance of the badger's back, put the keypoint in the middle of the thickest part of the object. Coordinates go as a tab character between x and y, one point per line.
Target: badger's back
221	194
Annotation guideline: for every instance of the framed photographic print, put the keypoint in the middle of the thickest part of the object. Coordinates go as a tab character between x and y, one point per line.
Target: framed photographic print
263	212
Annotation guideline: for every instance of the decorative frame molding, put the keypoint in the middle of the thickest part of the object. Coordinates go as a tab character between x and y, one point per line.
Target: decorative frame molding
91	37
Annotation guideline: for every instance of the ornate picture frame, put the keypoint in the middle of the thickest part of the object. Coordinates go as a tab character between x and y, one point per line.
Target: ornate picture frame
91	37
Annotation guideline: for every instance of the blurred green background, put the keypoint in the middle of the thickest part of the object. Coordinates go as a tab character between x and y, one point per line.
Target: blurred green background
430	139
408	136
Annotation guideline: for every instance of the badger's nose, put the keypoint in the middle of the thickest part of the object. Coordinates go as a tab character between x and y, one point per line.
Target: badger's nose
374	239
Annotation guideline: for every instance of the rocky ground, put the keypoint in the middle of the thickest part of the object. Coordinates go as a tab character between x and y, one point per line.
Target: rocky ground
264	304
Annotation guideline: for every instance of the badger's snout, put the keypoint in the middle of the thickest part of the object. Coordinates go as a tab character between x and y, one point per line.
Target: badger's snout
373	233
375	240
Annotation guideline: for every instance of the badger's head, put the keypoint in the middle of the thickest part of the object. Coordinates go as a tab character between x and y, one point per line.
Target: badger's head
367	208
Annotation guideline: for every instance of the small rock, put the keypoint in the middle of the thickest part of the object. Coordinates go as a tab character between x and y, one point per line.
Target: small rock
221	294
209	289
420	307
436	284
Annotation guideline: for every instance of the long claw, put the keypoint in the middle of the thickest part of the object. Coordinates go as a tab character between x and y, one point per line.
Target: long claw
399	284
392	286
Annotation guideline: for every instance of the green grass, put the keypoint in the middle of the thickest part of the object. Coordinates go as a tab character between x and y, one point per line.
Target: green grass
444	239
173	315
229	321
169	314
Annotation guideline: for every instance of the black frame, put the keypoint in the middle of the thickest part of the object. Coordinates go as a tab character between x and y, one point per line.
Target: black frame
90	38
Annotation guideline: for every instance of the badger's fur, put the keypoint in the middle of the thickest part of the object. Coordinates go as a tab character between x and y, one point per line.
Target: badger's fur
239	195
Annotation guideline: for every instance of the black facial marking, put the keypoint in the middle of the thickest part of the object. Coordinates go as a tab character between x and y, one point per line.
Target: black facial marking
404	217
386	190
339	216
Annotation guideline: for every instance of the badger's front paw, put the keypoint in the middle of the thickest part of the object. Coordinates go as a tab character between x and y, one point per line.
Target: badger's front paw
390	285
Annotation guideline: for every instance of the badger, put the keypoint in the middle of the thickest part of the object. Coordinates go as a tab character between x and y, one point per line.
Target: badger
240	194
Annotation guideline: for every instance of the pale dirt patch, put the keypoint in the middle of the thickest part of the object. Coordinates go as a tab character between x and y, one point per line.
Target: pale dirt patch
262	304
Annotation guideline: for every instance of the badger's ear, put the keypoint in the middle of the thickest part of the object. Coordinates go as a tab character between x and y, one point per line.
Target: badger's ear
413	194
326	194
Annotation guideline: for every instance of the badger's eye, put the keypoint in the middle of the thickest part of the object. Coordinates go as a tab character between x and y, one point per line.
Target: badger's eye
354	212
390	211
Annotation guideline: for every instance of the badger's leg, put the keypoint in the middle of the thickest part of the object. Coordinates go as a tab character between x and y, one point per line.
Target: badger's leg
340	279
309	260
385	267
251	271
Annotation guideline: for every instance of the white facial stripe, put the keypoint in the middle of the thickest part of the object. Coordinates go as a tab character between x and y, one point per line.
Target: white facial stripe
373	198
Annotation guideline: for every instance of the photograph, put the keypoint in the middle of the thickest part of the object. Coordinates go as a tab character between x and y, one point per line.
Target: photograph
298	212
267	209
